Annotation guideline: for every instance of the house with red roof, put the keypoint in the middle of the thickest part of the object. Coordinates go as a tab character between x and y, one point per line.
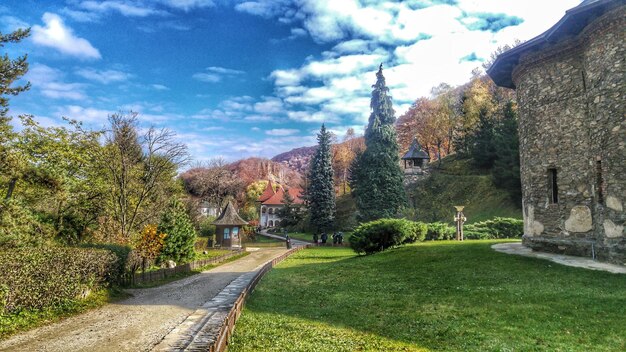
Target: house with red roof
272	200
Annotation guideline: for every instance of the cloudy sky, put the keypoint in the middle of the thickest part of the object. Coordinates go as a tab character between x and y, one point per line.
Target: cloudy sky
238	78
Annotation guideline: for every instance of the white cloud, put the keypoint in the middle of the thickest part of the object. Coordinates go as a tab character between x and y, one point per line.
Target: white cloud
207	77
224	71
55	34
103	76
159	87
85	114
281	132
216	74
187	5
49	82
11	23
125	8
269	106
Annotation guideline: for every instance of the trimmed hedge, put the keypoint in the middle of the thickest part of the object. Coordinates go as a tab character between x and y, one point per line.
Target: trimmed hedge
34	278
495	228
440	231
378	235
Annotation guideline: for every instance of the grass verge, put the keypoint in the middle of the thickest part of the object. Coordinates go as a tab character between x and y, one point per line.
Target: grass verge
432	296
11	324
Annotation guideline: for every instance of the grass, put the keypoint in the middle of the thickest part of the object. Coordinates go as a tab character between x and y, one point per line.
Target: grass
457	183
445	296
262	241
211	253
183	275
32	318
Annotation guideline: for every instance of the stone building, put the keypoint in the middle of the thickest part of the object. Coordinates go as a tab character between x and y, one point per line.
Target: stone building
271	201
571	84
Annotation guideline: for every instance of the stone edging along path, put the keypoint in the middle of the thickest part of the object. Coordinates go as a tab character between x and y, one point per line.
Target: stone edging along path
580	262
210	326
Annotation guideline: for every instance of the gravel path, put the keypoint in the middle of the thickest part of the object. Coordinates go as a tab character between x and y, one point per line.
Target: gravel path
140	322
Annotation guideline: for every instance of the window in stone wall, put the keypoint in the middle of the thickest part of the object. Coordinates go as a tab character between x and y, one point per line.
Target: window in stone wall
600	181
553	189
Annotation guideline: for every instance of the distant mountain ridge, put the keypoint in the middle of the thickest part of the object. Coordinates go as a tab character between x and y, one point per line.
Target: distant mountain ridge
296	159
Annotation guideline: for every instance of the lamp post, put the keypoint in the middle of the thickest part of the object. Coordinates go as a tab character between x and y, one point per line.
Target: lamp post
459	219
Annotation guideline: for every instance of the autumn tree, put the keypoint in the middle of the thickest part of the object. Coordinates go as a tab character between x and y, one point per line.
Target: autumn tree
377	179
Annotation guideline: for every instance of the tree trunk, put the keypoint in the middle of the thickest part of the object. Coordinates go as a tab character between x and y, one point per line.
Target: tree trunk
11	188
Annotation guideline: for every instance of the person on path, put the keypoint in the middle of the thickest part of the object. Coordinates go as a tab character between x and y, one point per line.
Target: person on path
315	239
288	241
324	238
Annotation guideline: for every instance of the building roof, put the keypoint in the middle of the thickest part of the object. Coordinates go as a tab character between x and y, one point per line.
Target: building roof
267	193
230	217
574	21
415	152
277	198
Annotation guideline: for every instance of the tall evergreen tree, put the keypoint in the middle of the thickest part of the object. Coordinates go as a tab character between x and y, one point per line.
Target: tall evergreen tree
321	189
377	178
506	172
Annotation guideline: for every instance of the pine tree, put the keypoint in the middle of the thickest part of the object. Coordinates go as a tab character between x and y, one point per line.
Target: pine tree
506	173
321	189
180	233
482	142
376	180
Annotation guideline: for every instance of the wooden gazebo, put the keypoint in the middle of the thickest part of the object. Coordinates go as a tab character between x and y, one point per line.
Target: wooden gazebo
416	156
228	227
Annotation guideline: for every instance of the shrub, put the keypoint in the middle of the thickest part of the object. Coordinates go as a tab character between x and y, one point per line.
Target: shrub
206	227
20	228
440	231
180	234
381	234
123	262
34	278
495	228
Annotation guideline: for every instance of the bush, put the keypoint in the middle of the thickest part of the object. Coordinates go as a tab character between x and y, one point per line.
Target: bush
206	227
381	234
34	278
440	231
495	228
123	262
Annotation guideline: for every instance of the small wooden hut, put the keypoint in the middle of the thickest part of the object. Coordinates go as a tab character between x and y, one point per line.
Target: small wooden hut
415	157
228	227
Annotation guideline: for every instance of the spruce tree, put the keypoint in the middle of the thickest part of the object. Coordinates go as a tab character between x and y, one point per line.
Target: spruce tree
377	179
180	233
321	188
506	173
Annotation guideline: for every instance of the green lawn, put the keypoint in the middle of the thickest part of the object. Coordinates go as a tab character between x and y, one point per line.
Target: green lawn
432	296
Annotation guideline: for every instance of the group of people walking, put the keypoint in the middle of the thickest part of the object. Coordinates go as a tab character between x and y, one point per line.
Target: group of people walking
337	238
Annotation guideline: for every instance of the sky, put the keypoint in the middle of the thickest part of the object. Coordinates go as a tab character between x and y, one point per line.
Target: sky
237	78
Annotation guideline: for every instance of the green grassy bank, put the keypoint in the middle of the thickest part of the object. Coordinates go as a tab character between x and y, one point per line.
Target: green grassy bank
432	296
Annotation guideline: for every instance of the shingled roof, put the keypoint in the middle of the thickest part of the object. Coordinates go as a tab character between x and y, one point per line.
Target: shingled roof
230	217
277	199
415	152
267	193
574	21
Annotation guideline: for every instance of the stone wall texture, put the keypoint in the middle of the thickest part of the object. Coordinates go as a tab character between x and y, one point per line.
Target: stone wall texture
572	104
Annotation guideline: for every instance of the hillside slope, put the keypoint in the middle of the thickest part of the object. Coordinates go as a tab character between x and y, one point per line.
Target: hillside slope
457	183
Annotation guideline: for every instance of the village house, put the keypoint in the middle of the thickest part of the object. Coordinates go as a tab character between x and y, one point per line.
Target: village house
271	201
570	83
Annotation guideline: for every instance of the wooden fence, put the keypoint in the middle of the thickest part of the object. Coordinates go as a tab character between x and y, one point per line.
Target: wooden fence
226	330
156	275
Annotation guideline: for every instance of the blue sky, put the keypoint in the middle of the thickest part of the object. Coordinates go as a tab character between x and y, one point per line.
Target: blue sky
253	78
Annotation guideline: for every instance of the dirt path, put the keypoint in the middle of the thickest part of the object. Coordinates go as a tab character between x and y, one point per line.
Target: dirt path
140	322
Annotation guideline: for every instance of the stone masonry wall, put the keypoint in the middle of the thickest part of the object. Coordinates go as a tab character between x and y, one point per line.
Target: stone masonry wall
572	119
